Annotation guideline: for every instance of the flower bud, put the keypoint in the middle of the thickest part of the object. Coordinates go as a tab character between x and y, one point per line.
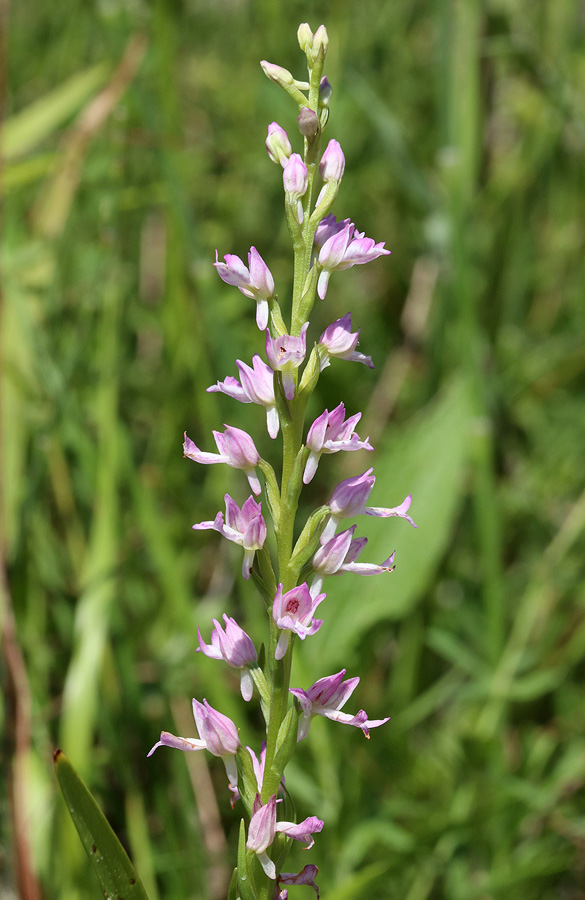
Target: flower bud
311	373
278	144
277	73
308	122
325	91
320	42
282	76
305	37
332	163
295	178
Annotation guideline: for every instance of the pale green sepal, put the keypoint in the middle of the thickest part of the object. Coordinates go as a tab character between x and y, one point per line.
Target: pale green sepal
278	326
294	226
259	582
272	491
307	300
115	873
267	576
286	742
263	689
244	884
233	888
308	540
327	199
310	374
295	481
247	785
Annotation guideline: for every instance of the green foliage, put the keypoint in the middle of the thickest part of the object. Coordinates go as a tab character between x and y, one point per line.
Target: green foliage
462	126
114	871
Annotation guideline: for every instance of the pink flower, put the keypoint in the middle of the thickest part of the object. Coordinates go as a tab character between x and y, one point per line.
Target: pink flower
235	647
285	354
326	698
349	499
264	827
307	876
244	526
254	281
340	554
329	433
236	449
217	733
338	340
327	228
294	611
257	387
343	248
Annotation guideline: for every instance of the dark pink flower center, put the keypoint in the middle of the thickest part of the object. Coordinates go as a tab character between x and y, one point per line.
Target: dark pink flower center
292	606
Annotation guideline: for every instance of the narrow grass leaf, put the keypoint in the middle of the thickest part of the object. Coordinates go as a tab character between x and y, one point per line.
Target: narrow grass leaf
26	129
109	860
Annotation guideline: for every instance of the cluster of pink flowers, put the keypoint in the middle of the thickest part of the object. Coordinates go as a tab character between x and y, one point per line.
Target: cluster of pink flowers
282	386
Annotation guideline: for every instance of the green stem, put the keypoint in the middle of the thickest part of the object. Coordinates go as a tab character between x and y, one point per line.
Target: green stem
292	426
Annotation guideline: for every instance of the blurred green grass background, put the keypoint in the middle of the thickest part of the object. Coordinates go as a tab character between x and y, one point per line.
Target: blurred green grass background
133	148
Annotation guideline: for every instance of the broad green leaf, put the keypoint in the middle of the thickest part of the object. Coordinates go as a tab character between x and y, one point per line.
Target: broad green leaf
428	459
23	131
109	860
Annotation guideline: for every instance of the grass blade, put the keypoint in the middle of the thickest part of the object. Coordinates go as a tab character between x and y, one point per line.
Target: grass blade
109	860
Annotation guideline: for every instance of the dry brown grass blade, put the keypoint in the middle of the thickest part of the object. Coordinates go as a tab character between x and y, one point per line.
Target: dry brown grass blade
51	209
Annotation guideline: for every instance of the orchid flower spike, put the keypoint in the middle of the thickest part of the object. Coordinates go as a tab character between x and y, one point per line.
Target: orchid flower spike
236	449
285	354
326	698
294	611
330	433
245	526
235	647
257	387
264	827
349	499
217	733
254	281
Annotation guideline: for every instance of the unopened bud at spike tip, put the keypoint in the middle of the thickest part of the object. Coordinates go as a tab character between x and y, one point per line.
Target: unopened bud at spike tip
320	41
305	37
